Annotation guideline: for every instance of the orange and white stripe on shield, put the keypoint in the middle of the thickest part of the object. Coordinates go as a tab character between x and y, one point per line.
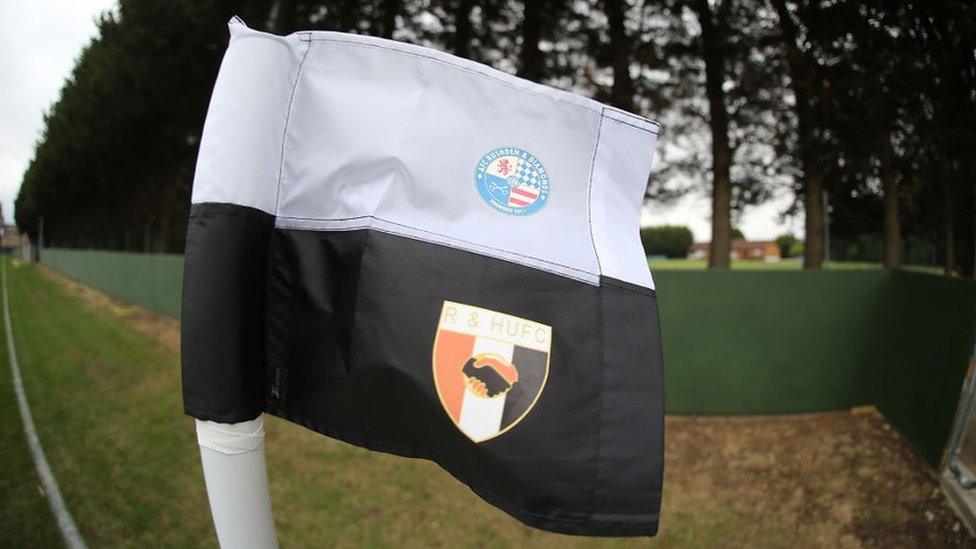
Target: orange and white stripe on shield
489	367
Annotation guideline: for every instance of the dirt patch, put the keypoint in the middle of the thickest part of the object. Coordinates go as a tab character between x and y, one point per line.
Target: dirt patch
834	479
164	329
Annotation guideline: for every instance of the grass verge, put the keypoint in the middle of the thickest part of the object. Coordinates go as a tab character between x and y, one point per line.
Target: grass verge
25	518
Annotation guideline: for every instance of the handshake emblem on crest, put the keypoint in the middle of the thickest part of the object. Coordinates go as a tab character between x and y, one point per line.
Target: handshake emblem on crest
488	376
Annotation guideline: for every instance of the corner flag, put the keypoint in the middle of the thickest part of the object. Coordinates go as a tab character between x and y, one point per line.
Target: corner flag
421	255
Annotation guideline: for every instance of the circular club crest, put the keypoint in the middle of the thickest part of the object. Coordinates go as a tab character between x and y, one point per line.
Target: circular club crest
512	181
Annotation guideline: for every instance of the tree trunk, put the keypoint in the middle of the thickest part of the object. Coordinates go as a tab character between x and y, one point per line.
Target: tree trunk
949	266
713	53
147	236
813	247
460	41
347	16
163	242
802	75
388	11
622	93
281	16
891	256
530	57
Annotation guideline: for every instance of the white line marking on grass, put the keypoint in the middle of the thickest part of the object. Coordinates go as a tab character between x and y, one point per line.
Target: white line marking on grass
69	530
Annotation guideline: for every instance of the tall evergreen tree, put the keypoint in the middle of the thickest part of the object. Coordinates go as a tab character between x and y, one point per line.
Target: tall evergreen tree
878	113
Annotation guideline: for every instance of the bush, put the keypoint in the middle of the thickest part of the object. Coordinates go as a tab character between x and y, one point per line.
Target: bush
787	243
671	241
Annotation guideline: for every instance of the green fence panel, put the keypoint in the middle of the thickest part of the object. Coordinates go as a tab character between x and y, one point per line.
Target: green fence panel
153	281
740	342
930	323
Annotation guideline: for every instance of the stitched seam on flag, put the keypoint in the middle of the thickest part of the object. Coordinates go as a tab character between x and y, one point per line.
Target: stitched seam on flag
610	110
529	262
355	310
619	288
472	71
355	304
502	255
631	125
447	237
639	290
599	391
273	39
350	218
589	194
284	132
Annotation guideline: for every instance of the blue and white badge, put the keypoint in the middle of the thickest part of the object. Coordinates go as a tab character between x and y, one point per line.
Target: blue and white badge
512	181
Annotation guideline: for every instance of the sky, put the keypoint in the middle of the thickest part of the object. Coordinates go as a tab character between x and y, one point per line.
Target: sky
694	210
40	40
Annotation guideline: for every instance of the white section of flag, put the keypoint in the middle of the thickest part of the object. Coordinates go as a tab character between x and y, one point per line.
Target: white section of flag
389	166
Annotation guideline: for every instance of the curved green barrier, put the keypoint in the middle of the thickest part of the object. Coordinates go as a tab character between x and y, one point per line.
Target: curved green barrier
739	342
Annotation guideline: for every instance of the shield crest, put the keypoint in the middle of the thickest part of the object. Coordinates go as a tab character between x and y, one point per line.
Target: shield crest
489	368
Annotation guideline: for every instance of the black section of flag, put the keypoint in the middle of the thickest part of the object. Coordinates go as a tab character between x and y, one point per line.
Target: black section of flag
629	471
311	299
351	318
222	328
531	366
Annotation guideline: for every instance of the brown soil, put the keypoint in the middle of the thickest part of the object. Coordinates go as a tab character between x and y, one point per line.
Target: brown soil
834	479
838	479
